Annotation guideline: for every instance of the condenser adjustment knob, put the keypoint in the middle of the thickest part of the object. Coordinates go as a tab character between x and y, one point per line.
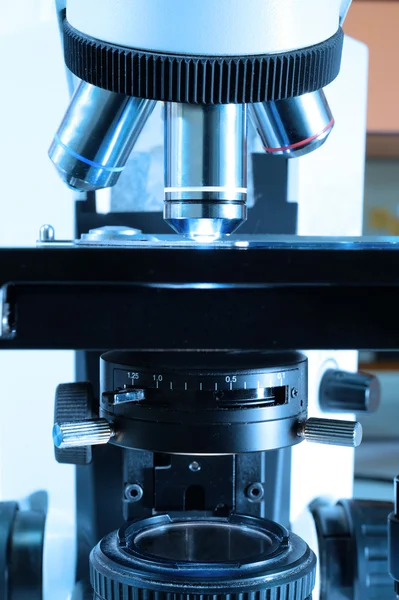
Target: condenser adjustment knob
332	432
74	402
85	433
351	392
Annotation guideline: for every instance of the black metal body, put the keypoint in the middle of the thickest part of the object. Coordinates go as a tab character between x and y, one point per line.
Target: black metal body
255	298
204	403
223	485
219	488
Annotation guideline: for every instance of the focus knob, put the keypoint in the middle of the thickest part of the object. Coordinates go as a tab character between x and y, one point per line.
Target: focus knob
353	549
74	402
341	391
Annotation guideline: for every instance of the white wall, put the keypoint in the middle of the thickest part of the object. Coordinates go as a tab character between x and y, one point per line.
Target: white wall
329	186
34	96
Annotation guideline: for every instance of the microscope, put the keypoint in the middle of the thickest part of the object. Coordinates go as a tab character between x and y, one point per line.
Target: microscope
212	413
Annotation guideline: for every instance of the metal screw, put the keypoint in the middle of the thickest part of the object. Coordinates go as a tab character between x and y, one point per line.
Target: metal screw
255	492
333	432
5	325
194	466
294	392
134	492
46	233
83	433
6	328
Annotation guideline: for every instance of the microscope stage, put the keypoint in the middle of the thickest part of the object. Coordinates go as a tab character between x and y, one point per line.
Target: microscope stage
273	293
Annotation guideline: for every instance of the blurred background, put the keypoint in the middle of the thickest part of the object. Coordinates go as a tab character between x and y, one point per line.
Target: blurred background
376	22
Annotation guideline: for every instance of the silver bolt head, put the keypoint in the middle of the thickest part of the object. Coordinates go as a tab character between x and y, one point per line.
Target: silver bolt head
357	435
46	233
134	492
195	466
57	436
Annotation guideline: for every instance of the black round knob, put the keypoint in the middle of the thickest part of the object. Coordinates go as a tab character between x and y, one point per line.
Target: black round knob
353	549
21	552
74	402
349	392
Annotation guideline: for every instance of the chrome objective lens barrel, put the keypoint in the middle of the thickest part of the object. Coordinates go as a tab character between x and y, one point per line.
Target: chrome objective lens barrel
293	127
205	169
96	137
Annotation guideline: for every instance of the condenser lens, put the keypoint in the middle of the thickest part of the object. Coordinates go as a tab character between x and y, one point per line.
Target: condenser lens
202	557
204	543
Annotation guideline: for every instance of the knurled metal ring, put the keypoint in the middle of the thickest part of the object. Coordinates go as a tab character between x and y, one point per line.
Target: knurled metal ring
199	79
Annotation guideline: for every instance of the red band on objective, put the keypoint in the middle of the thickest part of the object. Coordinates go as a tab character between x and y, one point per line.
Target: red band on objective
303	142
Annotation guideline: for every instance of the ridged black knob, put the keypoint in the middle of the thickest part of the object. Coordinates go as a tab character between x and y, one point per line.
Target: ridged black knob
341	391
74	403
353	548
202	79
21	552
